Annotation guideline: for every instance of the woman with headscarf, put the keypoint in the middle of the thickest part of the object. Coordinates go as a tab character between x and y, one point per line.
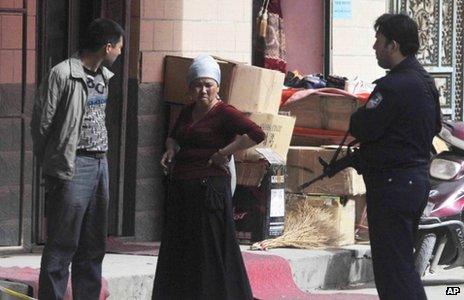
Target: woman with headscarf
199	256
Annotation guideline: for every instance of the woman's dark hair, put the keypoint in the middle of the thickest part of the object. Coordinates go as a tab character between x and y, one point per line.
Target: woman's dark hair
99	33
400	28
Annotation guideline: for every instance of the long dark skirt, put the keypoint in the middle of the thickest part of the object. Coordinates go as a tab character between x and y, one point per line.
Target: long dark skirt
199	257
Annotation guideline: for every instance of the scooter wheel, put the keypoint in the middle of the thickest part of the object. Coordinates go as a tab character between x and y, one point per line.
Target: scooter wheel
424	252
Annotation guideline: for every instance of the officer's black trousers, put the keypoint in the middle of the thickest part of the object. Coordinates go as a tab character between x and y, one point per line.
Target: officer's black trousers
395	201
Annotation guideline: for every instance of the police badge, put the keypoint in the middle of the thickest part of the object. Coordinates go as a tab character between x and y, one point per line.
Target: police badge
374	101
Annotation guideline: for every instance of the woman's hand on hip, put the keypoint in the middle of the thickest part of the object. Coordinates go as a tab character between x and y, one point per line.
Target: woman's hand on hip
167	158
220	160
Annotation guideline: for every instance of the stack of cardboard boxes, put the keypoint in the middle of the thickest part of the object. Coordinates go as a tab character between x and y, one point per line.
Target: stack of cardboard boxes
271	172
321	117
259	200
325	115
341	194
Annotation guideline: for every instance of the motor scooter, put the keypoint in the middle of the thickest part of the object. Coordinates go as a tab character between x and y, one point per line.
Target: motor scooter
440	239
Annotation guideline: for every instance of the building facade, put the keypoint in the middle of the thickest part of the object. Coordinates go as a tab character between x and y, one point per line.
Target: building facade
37	34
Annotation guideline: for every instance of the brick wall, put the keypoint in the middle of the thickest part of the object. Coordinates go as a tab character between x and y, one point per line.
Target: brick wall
189	27
159	28
14	118
353	40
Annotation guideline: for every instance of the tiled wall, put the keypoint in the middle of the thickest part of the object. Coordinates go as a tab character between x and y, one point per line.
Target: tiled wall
189	27
353	39
13	118
11	43
159	28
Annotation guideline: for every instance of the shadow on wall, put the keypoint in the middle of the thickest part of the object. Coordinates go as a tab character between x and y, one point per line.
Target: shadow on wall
153	33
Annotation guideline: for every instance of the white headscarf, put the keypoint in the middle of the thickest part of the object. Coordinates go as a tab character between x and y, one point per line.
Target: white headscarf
204	66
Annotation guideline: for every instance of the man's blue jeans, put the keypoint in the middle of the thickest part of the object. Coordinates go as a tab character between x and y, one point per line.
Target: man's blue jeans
77	213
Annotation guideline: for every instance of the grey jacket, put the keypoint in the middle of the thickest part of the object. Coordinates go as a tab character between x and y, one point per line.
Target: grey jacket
57	117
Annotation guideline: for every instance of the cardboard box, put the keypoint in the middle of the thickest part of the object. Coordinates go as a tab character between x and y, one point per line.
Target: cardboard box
317	140
248	88
278	131
174	112
361	232
259	200
175	78
324	112
255	89
343	216
250	173
303	165
317	137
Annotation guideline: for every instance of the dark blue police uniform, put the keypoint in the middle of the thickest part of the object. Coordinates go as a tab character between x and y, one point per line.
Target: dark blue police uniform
395	130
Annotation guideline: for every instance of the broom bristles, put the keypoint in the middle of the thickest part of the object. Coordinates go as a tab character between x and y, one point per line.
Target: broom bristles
306	226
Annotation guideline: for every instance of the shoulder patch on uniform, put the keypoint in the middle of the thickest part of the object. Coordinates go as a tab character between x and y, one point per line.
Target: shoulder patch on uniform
374	101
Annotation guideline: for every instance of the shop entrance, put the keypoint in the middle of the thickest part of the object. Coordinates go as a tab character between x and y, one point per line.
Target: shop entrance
62	25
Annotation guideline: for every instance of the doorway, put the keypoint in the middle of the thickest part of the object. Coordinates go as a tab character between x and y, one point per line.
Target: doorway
62	25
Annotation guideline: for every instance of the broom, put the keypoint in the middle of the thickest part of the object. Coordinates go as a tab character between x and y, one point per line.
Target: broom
306	227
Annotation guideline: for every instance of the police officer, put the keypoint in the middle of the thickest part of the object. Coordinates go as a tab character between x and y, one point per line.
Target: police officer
395	130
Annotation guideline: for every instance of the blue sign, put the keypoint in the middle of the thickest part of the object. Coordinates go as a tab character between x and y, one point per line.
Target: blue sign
341	9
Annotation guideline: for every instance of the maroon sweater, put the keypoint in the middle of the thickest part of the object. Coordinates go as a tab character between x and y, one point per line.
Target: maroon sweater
198	141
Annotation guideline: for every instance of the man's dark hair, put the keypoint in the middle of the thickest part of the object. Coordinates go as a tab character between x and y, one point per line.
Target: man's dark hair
400	28
99	33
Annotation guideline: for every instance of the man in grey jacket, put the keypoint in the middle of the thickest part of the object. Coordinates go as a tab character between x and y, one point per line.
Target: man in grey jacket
70	141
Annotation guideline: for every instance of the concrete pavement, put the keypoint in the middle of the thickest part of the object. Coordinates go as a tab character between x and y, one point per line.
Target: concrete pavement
329	268
131	276
128	276
435	285
322	272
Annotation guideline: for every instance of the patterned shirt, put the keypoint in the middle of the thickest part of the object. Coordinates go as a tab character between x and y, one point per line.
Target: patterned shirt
94	136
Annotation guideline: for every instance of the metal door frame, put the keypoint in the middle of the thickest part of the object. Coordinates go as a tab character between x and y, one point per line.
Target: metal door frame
43	67
328	37
118	225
